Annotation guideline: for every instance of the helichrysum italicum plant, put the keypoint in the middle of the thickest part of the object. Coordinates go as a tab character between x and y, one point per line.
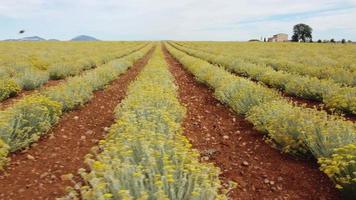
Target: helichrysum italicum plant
31	78
294	129
145	155
341	167
4	150
8	88
325	90
323	62
26	120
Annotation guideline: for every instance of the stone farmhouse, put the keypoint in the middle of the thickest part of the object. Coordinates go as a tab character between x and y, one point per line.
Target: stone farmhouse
280	37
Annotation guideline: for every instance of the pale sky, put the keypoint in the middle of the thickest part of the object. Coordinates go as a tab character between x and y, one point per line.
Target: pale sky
176	20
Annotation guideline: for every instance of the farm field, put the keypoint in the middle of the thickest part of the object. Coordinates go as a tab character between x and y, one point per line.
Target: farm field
177	120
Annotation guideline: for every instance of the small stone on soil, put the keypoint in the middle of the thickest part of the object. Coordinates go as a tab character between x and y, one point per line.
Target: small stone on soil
30	157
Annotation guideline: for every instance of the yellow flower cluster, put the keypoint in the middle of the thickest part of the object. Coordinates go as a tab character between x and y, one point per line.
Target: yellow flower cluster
341	167
145	156
8	88
26	120
332	94
294	129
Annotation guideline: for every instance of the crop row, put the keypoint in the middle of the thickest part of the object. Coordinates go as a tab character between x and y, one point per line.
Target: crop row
294	129
145	155
26	120
331	94
323	62
30	75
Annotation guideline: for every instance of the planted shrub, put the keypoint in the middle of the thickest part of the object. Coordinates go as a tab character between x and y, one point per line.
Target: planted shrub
62	70
341	168
31	79
294	129
145	155
27	120
4	150
74	93
8	88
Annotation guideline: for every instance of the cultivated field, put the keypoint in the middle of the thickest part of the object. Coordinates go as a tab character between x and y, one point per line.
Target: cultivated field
177	120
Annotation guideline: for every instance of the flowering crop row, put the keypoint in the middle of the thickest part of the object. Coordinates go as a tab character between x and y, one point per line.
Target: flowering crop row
28	119
30	73
293	129
332	94
323	61
145	156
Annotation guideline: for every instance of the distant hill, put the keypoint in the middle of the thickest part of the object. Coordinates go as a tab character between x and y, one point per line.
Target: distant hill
84	38
37	38
32	38
53	40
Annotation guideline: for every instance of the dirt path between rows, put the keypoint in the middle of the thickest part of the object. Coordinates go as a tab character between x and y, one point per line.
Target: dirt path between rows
231	143
36	173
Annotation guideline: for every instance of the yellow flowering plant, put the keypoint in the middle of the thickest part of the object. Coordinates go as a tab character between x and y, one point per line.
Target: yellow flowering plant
145	155
294	129
26	120
334	95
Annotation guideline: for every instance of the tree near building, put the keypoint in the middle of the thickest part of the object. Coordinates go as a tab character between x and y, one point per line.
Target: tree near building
302	32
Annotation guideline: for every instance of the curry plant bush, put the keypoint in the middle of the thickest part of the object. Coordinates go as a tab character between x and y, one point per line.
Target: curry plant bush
31	78
4	150
341	167
8	88
145	155
294	129
332	94
26	120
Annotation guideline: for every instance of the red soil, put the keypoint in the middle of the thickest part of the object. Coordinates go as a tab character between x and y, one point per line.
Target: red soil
36	173
231	143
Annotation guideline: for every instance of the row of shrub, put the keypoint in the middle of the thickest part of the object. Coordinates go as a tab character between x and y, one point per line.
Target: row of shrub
145	155
64	69
323	62
23	76
333	95
294	129
24	122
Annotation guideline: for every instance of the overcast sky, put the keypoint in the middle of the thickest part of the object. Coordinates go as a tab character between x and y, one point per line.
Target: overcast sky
176	20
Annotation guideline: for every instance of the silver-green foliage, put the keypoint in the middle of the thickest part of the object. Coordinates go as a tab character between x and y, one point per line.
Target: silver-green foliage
294	129
332	94
145	155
